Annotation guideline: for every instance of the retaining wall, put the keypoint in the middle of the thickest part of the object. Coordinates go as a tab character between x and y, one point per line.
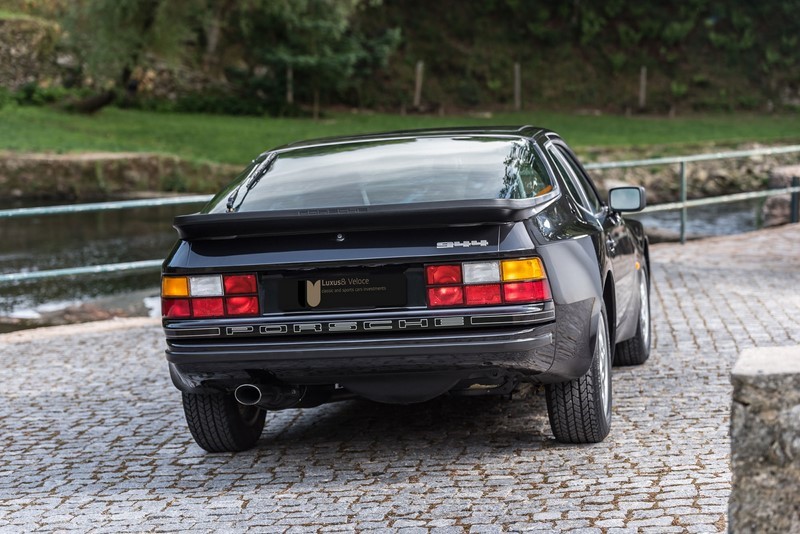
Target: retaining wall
102	175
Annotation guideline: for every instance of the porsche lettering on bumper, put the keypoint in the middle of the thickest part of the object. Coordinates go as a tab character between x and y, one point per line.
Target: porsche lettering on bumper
536	315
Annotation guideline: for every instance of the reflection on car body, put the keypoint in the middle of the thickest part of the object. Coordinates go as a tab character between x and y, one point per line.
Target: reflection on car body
404	266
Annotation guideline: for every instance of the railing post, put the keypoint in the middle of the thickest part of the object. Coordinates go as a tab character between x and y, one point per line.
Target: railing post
683	202
794	207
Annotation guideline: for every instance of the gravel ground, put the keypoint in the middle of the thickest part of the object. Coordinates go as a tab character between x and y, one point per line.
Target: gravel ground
94	437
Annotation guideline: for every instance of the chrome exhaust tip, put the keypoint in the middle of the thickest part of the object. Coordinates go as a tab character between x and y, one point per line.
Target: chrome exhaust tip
247	394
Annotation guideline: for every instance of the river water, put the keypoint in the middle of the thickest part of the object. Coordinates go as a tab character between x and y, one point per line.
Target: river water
704	221
96	238
80	239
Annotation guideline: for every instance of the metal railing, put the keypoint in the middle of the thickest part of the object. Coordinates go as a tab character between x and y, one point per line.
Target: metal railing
94	206
683	204
104	206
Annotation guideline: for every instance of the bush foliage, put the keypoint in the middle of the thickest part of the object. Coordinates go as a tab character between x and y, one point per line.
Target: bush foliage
284	56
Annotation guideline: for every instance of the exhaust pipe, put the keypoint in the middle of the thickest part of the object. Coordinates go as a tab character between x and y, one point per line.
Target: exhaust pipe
248	394
280	397
269	396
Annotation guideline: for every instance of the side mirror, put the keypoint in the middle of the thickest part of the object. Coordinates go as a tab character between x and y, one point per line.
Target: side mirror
627	198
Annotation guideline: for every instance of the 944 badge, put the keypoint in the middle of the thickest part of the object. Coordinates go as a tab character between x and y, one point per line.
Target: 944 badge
464	244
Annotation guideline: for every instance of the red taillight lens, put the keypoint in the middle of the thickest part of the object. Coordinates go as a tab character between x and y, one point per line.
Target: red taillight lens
242	305
526	291
446	296
175	308
483	294
240	284
443	274
208	307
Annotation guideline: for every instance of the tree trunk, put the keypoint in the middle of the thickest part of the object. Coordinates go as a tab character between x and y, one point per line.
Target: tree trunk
212	36
316	103
213	33
92	104
130	86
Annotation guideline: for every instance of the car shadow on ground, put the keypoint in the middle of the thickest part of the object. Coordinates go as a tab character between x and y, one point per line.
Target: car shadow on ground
370	440
471	419
352	435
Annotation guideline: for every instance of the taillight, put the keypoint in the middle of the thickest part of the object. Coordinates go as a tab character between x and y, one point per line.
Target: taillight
532	291
483	295
176	308
209	296
240	284
446	296
242	305
487	283
208	307
443	274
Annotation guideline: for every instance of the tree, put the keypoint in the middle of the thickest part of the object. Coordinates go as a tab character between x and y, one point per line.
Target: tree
113	36
313	39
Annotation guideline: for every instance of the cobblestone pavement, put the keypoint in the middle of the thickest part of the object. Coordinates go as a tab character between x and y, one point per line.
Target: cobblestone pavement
93	437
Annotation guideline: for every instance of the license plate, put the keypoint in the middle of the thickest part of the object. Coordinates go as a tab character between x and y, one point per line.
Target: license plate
355	290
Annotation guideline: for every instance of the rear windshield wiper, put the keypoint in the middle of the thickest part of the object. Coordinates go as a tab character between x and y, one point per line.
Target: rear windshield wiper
251	180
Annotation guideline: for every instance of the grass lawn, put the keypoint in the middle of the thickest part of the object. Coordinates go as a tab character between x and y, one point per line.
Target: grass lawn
239	139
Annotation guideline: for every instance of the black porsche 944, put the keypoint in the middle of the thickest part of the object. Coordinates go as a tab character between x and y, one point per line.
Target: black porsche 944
403	266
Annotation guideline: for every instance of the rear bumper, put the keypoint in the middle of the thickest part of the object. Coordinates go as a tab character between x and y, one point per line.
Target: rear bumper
524	352
532	348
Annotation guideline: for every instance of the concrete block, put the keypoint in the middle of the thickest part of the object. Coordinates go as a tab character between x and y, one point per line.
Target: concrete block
765	441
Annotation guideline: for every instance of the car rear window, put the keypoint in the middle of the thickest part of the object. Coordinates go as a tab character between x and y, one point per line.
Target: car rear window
393	171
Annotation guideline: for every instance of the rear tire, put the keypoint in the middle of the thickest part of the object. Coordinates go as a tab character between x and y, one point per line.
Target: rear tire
636	350
220	424
580	410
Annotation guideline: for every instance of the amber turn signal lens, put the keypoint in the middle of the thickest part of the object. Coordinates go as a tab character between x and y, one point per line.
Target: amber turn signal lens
522	269
174	286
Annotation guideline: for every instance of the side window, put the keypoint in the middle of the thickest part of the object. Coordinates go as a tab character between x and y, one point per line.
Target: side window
570	180
582	181
525	176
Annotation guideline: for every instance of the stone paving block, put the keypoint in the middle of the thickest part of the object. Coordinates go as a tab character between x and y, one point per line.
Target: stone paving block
94	438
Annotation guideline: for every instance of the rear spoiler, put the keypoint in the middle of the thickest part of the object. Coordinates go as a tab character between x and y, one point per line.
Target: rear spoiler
394	216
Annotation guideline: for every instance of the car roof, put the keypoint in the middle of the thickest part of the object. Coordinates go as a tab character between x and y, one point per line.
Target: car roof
461	131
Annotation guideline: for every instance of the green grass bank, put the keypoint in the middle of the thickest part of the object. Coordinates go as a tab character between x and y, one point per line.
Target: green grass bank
47	153
236	140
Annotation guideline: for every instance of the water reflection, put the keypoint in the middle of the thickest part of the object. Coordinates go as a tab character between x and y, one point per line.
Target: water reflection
73	240
721	219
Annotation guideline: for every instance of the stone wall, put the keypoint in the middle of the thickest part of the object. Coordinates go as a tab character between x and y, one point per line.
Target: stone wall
704	179
777	209
100	175
27	52
765	441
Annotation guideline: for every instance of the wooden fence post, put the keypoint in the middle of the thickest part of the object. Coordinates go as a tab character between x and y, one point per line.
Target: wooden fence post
643	87
418	84
289	85
517	87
